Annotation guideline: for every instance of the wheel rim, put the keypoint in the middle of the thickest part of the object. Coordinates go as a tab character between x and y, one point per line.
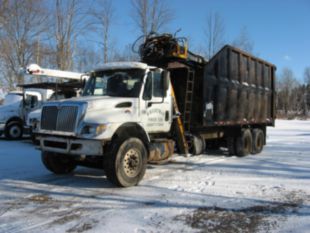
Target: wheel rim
131	163
15	131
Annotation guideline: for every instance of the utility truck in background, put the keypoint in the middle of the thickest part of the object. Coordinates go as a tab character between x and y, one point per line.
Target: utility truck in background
19	104
132	113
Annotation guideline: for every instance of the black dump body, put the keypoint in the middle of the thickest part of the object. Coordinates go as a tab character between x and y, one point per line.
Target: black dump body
233	88
238	89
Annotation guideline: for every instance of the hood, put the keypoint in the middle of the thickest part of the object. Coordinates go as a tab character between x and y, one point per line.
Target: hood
8	111
9	107
95	103
103	109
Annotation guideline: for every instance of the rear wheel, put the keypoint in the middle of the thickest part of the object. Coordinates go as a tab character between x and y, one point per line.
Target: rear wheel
244	143
14	131
58	163
231	145
258	141
125	163
198	145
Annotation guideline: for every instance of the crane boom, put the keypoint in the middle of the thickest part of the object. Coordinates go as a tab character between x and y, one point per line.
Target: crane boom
35	69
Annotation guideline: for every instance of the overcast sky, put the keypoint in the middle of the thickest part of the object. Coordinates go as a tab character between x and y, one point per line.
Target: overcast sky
279	29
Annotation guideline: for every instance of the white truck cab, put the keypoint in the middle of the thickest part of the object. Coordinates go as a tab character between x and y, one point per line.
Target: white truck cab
17	105
60	90
119	120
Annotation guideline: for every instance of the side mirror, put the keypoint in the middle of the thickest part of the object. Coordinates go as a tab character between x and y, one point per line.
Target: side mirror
166	80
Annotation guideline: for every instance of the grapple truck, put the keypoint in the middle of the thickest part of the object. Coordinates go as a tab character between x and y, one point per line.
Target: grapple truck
132	113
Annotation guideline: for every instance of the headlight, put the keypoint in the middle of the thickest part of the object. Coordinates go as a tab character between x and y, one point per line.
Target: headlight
33	120
93	129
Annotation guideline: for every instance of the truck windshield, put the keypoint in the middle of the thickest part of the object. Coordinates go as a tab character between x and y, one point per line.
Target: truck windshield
116	83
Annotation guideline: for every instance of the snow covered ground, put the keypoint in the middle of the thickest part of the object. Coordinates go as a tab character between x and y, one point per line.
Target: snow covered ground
269	192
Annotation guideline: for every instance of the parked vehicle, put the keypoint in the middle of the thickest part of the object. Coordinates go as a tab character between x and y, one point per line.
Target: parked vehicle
65	90
15	109
131	113
62	90
18	104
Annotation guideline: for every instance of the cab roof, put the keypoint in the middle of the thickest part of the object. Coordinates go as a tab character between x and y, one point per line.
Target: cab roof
123	65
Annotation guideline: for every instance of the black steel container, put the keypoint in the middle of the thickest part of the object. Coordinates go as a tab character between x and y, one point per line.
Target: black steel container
238	89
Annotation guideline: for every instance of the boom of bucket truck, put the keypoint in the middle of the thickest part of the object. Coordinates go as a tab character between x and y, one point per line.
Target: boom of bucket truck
13	117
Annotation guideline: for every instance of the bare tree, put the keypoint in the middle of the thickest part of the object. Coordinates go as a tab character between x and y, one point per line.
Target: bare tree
70	23
86	58
243	41
151	15
64	16
307	90
287	97
125	55
104	16
307	75
214	33
3	7
24	21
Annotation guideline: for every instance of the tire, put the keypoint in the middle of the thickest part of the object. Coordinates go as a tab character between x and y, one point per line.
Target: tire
198	145
258	141
58	163
231	145
14	131
244	143
125	163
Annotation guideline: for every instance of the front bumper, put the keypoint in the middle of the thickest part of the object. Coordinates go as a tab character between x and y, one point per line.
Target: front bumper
70	145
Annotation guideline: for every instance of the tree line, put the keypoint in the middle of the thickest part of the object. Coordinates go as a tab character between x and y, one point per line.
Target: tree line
56	34
293	97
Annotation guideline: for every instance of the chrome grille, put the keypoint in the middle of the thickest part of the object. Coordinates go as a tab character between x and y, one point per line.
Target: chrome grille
61	118
49	117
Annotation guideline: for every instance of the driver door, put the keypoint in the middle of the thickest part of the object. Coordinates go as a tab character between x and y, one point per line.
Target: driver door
157	112
31	103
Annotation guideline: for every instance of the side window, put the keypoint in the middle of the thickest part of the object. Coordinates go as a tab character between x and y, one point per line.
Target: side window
99	86
158	89
147	95
31	101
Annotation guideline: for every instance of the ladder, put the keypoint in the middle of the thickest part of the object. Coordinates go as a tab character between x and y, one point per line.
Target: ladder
188	100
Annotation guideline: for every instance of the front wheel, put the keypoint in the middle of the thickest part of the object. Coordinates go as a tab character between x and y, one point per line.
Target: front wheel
14	131
58	163
125	163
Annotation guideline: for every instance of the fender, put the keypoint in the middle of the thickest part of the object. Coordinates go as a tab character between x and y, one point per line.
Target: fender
15	119
132	129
